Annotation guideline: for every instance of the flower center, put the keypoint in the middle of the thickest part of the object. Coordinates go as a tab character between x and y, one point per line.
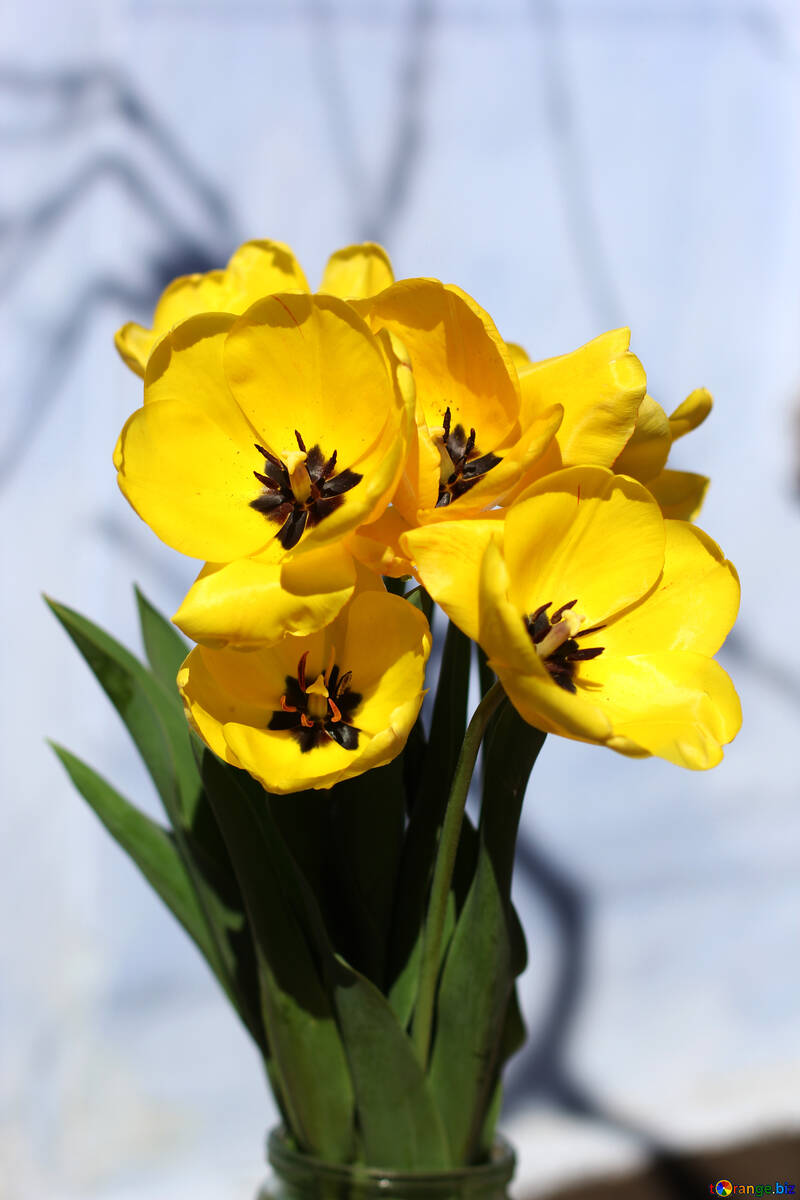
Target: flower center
555	638
300	490
319	712
462	464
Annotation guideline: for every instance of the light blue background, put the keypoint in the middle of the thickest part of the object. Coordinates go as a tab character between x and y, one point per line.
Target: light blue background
574	166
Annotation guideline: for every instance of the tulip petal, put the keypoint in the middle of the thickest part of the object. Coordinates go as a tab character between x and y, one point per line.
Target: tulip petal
692	607
680	494
357	272
458	357
187	364
648	448
254	602
386	646
675	704
601	386
583	534
448	558
310	364
691	413
191	479
134	343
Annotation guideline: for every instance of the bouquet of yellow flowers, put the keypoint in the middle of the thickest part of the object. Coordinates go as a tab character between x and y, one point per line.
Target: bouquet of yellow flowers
341	462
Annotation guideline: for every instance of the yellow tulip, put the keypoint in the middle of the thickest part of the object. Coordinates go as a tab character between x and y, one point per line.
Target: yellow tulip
256	269
264	439
474	442
309	712
598	616
609	420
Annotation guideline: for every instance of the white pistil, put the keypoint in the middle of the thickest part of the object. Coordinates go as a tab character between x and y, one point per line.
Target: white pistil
559	633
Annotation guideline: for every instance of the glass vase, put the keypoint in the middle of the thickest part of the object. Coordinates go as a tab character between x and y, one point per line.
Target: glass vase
300	1177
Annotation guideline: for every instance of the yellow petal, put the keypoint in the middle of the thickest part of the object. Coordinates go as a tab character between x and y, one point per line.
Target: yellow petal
691	413
192	480
309	363
679	493
134	344
583	534
692	607
519	356
378	545
601	386
254	602
459	360
357	272
647	451
447	559
187	364
386	646
675	704
256	269
512	655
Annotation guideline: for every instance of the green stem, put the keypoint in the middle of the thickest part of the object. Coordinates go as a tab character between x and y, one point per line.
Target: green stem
443	871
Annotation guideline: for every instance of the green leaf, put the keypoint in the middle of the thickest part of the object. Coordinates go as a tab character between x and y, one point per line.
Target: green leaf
308	1058
448	724
164	646
151	847
486	950
400	1127
366	828
160	732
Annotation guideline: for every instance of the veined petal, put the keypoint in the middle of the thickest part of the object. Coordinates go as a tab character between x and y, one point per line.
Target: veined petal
648	448
191	479
675	704
187	365
357	272
601	387
459	360
691	413
255	269
447	559
692	607
679	493
309	363
584	534
254	602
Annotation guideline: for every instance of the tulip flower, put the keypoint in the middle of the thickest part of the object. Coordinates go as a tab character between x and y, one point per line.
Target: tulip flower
598	616
311	711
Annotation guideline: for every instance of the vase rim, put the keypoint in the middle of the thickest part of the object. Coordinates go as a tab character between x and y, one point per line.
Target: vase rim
289	1162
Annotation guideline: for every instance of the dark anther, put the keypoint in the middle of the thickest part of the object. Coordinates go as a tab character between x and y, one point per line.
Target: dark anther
469	465
309	729
561	662
281	505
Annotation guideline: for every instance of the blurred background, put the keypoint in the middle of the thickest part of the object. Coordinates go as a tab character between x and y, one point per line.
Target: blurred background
575	165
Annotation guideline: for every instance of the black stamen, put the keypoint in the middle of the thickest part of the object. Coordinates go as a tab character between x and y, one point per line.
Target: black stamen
586	632
300	441
446	423
558	614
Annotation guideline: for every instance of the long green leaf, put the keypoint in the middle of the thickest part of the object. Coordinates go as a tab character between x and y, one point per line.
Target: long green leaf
159	731
366	824
150	846
308	1057
486	950
399	1124
164	647
448	724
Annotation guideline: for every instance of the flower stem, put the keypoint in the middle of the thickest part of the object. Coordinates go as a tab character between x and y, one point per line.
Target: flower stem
443	871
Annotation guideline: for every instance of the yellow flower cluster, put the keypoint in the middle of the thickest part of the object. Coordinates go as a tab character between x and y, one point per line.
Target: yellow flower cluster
305	444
